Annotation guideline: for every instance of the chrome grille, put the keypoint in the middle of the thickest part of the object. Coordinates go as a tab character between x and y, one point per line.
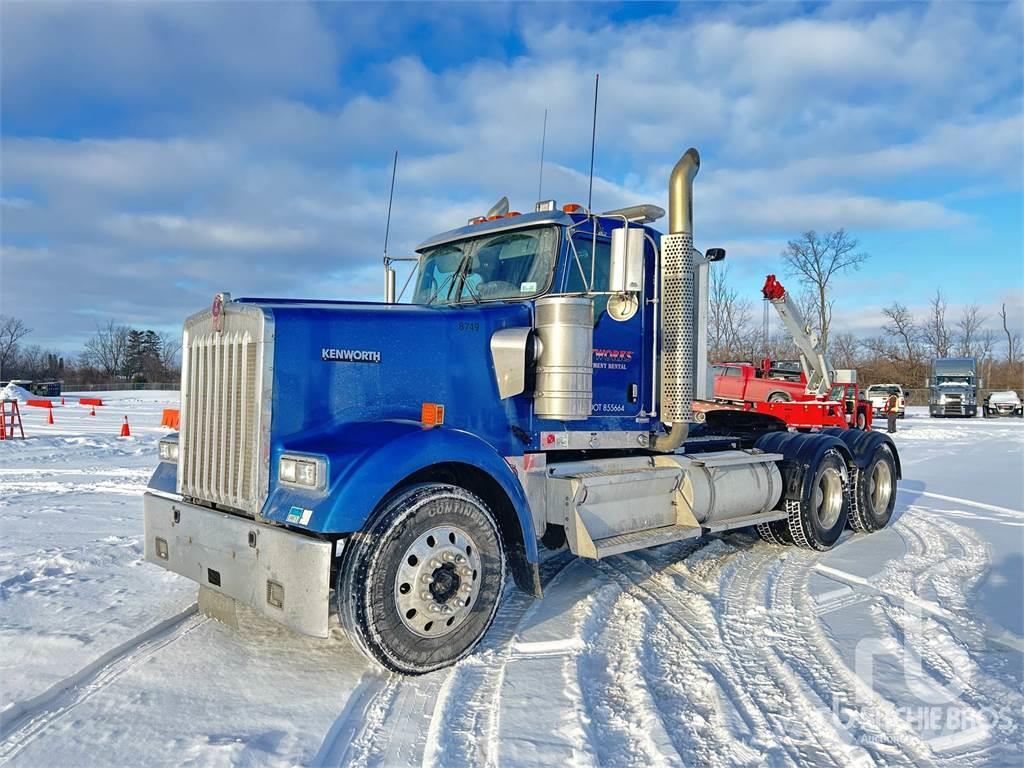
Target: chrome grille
223	409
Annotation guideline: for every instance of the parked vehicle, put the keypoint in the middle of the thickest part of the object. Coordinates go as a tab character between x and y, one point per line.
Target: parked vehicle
406	456
804	394
742	382
1005	403
953	387
879	395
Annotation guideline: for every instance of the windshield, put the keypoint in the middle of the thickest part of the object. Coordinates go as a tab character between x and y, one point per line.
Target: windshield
838	392
953	379
880	390
504	265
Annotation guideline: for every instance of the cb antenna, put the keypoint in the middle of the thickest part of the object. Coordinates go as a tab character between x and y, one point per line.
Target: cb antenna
389	273
543	138
593	138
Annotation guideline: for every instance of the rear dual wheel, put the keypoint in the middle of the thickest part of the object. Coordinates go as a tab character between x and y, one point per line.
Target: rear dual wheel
420	586
874	492
816	520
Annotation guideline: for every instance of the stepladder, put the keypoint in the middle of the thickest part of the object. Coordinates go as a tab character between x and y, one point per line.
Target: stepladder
10	420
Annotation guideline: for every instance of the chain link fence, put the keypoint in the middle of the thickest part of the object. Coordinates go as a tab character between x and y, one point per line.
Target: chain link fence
121	386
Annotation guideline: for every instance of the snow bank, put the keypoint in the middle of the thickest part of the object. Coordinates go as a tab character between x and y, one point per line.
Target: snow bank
14	392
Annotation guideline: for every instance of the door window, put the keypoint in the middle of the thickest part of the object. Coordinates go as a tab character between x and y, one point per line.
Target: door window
574	282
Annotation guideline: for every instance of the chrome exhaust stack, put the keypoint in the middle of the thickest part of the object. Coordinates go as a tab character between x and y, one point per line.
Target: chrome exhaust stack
678	347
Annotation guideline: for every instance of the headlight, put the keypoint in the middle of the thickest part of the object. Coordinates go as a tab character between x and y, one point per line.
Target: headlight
168	450
306	471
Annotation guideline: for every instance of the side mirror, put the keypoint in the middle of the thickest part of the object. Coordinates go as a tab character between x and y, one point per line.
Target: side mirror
714	254
626	271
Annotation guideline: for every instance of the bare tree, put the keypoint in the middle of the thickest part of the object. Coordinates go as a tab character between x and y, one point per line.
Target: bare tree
968	331
845	350
170	346
107	349
986	343
934	331
816	259
729	321
900	325
12	330
1012	339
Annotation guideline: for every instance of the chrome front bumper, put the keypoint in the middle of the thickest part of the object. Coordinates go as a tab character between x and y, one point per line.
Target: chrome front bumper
283	575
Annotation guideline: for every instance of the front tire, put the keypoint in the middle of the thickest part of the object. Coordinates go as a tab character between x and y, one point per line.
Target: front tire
862	420
419	587
779	397
874	492
817	519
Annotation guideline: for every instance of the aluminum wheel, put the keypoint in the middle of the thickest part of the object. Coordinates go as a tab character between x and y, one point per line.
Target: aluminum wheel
438	581
828	497
880	486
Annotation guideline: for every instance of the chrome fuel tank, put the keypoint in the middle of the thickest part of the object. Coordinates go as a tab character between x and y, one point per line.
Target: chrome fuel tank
565	367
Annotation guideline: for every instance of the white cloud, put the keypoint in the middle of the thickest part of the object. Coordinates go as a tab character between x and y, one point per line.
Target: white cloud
818	122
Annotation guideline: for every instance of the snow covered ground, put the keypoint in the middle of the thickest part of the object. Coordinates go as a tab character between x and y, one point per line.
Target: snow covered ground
903	647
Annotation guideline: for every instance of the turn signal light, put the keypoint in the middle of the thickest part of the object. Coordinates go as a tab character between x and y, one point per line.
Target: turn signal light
432	414
572	208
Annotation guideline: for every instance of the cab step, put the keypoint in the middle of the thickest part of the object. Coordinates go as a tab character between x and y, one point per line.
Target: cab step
652	537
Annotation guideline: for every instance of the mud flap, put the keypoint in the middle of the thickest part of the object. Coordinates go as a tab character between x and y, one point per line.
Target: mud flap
218	606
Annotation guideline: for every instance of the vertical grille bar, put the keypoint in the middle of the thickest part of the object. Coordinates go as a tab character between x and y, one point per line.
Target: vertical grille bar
231	487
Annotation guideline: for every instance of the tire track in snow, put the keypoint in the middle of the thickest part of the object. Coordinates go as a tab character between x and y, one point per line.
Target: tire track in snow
823	675
26	720
750	628
689	683
949	560
467	711
625	724
398	721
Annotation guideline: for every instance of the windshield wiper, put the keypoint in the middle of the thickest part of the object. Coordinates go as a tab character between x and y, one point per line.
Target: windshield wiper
450	281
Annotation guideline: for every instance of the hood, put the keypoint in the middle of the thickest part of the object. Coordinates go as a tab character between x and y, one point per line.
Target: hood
344	362
1009	397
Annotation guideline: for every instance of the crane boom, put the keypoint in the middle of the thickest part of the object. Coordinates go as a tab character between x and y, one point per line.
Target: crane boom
817	368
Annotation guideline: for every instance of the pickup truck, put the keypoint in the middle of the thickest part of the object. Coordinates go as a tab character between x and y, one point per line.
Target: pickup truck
1005	403
879	393
745	383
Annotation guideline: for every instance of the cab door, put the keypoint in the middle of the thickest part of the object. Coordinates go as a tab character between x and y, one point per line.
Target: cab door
620	389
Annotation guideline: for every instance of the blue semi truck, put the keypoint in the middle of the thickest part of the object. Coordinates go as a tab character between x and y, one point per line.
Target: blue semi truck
394	462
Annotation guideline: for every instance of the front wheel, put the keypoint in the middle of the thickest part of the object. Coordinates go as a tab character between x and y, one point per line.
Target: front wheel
420	586
862	420
780	397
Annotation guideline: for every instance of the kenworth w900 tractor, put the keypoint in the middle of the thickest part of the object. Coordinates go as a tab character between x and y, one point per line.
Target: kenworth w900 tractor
393	462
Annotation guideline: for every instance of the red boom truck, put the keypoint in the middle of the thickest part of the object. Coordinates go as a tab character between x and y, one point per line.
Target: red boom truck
818	396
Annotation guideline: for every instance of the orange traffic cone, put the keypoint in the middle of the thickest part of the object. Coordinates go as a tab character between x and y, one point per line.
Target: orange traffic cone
93	411
125	432
49	418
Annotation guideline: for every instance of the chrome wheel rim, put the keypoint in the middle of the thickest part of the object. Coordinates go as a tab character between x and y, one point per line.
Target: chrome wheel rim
438	581
828	497
881	486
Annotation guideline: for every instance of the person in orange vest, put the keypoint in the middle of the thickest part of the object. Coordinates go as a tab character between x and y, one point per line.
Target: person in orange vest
892	405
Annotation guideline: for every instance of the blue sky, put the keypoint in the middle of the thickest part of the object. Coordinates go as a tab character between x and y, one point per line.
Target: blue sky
153	154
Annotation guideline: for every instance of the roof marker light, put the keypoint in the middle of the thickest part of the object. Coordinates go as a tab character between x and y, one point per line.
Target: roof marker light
572	208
